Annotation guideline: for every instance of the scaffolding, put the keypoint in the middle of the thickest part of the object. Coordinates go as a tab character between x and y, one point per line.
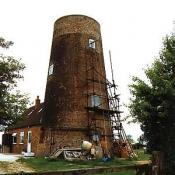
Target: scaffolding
102	100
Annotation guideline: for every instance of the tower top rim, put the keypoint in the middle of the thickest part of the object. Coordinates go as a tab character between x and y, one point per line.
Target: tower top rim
76	15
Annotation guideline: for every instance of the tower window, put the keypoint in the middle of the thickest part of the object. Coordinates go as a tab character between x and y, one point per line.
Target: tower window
95	101
51	69
95	137
92	43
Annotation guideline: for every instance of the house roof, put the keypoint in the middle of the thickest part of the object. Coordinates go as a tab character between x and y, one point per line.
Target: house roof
32	117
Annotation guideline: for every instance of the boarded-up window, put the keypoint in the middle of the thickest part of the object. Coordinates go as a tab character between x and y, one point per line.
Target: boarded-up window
7	139
41	135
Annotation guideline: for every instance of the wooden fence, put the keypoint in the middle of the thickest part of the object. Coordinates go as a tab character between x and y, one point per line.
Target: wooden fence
143	169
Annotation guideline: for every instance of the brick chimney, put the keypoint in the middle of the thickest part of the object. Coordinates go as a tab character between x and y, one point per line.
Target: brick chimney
37	102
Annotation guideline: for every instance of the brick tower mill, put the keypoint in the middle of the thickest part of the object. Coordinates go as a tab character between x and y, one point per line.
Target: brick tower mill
76	98
80	103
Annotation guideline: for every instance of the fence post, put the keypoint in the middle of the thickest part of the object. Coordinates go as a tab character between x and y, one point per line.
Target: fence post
143	170
157	163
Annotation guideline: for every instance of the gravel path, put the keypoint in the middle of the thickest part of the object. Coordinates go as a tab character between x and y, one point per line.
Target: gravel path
8	164
9	157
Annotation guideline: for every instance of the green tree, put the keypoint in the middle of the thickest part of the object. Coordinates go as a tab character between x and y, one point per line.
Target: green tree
130	138
12	102
153	103
141	140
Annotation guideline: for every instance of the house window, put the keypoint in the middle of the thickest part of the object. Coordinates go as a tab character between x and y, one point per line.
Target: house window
14	138
22	137
51	69
92	43
95	101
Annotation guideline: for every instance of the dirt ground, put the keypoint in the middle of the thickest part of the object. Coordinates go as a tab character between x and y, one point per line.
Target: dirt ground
14	167
140	162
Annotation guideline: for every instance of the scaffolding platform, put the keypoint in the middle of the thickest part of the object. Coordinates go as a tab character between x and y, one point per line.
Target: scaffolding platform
103	111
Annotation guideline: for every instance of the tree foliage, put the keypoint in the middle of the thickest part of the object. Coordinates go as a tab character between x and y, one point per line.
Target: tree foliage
130	138
141	139
153	102
12	102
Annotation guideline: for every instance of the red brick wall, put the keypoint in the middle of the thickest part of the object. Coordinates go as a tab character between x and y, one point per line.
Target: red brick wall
58	139
37	147
69	89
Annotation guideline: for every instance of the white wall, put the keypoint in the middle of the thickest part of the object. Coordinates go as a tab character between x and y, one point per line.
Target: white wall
1	137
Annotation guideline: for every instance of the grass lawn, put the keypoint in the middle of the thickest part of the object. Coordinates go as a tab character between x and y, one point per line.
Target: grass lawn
142	155
42	164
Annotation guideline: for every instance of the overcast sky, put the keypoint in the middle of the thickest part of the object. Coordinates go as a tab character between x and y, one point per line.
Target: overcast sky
131	29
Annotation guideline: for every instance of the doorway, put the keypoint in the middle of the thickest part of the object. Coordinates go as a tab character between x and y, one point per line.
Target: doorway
29	140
